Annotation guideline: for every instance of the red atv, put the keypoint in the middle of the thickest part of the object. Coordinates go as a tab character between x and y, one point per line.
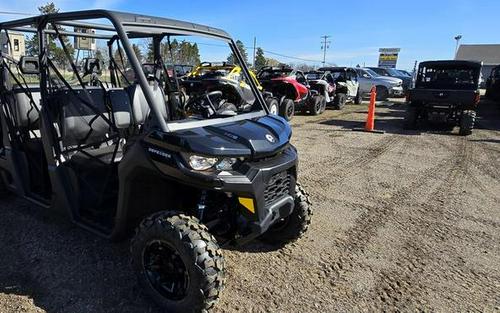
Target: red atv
293	90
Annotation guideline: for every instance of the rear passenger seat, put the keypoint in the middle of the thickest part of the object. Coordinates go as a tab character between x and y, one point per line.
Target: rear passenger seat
83	125
26	114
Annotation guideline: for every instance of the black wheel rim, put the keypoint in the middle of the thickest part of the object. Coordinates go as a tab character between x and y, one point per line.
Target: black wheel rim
165	270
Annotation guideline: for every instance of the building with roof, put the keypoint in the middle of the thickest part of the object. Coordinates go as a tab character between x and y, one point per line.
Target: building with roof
489	54
17	46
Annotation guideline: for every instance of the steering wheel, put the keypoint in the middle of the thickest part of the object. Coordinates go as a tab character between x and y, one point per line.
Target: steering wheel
203	103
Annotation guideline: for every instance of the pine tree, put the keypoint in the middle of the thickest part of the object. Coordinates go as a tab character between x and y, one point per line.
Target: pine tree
243	51
138	53
56	51
260	60
150	52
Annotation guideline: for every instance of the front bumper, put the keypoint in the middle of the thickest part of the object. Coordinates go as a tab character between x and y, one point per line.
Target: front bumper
270	183
397	91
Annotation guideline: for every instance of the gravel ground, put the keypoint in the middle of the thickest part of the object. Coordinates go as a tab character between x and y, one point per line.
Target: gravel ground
403	221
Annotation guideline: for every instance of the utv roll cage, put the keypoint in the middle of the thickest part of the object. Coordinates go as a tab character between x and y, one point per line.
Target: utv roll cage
126	25
104	124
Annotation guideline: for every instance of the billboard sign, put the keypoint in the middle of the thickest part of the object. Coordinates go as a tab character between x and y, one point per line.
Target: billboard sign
388	57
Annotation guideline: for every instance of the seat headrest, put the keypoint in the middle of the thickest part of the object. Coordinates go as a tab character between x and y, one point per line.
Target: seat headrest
91	66
29	65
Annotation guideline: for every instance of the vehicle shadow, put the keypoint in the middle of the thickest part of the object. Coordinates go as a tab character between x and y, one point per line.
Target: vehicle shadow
61	267
390	120
64	268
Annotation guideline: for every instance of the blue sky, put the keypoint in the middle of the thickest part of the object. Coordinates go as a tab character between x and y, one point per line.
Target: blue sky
422	29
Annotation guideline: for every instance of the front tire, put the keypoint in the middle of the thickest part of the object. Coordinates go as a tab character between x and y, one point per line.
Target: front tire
323	104
382	93
178	262
287	109
467	122
294	226
359	98
273	105
340	101
315	107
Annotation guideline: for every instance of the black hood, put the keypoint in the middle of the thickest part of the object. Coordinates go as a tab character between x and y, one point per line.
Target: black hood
257	137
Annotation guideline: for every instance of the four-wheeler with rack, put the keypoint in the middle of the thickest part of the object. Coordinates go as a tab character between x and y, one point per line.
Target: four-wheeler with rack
447	91
292	87
188	172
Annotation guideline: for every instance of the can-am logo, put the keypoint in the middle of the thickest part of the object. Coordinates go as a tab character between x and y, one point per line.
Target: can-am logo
270	138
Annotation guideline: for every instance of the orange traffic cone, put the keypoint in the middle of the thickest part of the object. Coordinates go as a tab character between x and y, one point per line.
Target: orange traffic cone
370	118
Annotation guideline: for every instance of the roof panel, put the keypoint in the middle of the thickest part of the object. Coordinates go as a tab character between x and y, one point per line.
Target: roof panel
489	54
126	19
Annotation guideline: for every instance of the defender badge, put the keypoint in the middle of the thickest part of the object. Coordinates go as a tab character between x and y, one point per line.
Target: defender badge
270	138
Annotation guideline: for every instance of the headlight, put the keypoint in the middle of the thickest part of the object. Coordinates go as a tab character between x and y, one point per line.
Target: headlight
201	163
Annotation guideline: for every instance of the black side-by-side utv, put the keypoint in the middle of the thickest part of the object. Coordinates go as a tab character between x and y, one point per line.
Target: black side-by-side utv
119	153
447	91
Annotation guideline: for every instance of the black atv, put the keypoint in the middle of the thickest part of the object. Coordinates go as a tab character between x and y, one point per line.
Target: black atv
181	172
445	91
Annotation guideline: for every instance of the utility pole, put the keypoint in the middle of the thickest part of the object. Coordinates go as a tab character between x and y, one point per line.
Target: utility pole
325	44
254	44
457	38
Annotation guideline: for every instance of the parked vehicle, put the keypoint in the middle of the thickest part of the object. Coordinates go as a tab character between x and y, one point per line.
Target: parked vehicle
188	172
447	91
229	78
405	72
183	69
385	86
323	83
390	72
346	80
493	84
288	84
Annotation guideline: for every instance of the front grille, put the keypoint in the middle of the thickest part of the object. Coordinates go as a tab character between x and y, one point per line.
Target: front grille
277	187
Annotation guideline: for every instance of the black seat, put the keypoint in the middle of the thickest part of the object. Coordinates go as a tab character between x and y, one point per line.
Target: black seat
140	107
91	123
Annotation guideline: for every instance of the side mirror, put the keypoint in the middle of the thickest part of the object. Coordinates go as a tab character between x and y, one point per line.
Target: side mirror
29	65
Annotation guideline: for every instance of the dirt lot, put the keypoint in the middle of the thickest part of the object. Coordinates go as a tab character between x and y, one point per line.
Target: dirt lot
403	221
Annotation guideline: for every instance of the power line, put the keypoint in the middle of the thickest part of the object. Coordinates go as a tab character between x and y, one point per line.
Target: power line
325	45
291	57
266	51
